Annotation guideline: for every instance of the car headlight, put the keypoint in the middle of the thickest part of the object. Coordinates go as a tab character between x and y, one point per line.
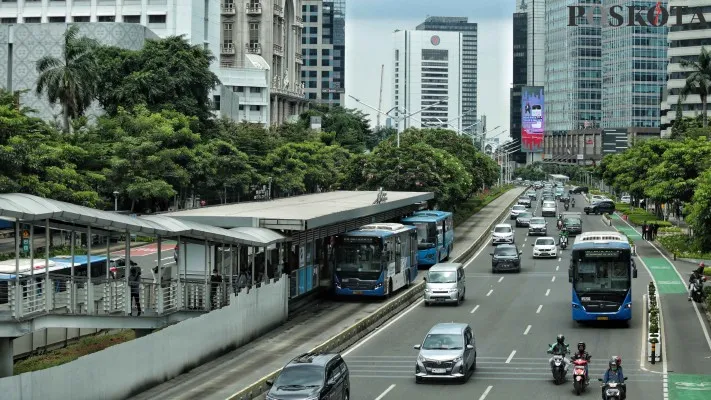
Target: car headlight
456	360
427	290
453	290
421	359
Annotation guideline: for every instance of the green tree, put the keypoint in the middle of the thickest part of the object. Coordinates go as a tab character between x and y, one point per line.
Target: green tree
700	215
698	80
219	167
674	176
530	172
72	79
351	126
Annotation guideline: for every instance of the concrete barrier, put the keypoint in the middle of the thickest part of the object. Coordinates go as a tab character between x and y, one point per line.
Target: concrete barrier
362	328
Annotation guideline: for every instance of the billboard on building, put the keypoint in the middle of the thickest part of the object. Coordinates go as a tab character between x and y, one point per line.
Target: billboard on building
532	119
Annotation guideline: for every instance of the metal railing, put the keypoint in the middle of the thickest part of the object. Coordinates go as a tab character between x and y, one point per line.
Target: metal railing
228	8
278	50
255	8
278	10
253	48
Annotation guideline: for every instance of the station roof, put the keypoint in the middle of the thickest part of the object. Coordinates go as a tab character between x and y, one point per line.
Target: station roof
27	207
301	212
556	176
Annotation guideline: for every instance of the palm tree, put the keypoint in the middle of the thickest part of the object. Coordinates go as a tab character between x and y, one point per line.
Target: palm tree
70	80
698	80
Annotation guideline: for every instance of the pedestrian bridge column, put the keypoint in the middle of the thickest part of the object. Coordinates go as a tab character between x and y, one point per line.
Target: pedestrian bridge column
6	357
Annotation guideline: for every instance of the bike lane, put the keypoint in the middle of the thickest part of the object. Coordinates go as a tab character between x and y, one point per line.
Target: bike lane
689	387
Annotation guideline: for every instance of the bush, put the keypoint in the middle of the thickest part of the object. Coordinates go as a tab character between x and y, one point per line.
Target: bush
669	229
683	246
653	328
707	272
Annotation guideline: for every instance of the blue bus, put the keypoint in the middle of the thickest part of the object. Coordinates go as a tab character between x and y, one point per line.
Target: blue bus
601	271
375	260
435	235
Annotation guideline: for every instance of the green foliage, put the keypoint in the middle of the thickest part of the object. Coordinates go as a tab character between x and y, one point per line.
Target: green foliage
700	215
351	127
698	79
684	246
530	172
476	203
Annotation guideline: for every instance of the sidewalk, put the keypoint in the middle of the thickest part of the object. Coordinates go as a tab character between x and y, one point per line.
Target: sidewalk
221	378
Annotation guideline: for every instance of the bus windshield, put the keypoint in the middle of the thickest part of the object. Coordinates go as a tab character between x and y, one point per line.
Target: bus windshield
601	275
358	260
426	235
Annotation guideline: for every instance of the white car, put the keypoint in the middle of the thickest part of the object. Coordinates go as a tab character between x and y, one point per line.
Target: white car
516	210
502	233
545	247
625	199
549	209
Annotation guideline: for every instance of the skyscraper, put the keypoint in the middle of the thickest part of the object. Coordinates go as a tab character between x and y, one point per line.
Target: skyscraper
520	67
535	41
323	50
469	60
428	74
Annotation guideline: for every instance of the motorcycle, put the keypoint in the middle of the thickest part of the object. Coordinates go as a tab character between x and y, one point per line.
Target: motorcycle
563	242
558	369
613	390
697	291
567	206
580	381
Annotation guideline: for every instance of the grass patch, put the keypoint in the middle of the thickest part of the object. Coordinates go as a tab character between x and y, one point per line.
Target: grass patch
684	246
670	230
85	345
476	203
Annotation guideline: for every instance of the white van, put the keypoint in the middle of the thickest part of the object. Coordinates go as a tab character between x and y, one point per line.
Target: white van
445	283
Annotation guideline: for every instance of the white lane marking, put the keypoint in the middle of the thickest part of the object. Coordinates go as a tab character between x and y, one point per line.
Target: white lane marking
553	279
548	292
501	279
163	259
412	307
560	258
525	240
511	356
528	329
391	387
538	311
486	393
474	310
490	292
557	267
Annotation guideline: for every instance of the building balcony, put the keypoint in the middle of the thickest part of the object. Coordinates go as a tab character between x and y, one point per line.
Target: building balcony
278	50
253	9
298	21
278	10
285	88
227	49
228	9
253	48
299	58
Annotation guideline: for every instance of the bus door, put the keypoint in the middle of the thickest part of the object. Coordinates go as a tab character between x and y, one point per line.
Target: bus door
398	255
389	256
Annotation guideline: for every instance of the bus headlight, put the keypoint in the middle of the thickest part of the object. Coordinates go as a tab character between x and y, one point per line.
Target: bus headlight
379	285
628	305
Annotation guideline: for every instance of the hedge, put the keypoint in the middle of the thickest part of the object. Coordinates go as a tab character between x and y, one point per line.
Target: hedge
683	246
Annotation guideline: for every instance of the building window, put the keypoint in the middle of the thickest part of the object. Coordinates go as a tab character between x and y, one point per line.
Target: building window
313	62
132	19
313	40
313	18
312	96
312	74
303	8
216	102
303	40
57	19
325	74
314	9
313	30
107	18
239	89
241	107
336	96
157	19
255	108
82	18
326	62
33	20
8	20
326	52
255	90
312	84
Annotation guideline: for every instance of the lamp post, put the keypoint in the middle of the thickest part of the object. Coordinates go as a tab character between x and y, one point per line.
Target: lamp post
116	193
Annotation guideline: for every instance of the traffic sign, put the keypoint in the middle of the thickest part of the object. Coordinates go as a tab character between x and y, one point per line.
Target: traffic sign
25	234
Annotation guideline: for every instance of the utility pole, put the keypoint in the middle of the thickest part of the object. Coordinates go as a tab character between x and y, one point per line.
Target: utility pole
380	100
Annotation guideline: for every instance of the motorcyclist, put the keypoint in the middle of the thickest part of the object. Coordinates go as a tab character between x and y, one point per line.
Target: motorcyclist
618	360
614	374
564	236
560	348
581	354
696	275
559	223
572	202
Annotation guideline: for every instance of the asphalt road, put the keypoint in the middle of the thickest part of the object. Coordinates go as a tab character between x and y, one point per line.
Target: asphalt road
514	316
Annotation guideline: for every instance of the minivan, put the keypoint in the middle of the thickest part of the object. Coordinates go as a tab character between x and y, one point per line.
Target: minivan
448	352
601	207
445	283
312	376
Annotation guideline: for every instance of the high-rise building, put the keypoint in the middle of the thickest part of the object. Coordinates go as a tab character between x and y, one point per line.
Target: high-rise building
634	71
469	60
323	50
685	43
536	41
427	76
520	74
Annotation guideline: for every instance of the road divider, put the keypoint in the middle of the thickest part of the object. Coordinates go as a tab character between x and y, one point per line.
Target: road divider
367	325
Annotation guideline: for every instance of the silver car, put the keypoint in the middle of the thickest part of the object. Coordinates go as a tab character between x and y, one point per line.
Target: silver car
537	226
445	283
516	210
502	233
448	352
524	219
525	201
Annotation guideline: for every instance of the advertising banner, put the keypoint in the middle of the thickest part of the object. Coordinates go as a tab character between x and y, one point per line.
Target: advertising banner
532	119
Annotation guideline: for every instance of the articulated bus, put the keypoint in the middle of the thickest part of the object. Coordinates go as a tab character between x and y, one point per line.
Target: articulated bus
601	271
375	260
435	235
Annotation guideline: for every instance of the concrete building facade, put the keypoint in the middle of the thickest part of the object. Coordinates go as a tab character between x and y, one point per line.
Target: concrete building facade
520	78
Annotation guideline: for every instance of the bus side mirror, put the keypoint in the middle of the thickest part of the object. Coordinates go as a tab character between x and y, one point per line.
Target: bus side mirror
570	276
634	273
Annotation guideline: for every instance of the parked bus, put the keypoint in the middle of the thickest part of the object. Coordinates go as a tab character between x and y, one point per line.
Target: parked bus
601	271
375	260
435	235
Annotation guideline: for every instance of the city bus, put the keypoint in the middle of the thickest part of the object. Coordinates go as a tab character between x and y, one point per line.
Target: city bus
601	271
375	260
435	235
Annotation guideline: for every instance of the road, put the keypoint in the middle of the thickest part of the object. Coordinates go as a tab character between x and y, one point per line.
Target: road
514	317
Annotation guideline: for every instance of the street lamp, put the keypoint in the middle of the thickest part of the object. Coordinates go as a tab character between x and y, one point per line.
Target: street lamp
398	119
116	193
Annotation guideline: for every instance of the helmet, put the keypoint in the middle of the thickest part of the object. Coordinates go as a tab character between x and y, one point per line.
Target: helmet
581	346
560	339
613	364
618	360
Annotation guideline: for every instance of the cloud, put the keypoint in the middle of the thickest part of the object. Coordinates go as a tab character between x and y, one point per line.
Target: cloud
476	10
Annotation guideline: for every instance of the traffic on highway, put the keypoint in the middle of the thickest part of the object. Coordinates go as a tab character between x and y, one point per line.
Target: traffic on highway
516	324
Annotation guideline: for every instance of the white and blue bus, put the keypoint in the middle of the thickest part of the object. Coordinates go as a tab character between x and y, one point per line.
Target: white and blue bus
601	271
435	235
375	260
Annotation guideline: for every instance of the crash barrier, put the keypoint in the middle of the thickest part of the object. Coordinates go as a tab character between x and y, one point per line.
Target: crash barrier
134	366
362	328
654	342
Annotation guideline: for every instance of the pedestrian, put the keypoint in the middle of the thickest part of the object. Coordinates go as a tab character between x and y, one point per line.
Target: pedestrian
134	282
655	228
645	230
215	283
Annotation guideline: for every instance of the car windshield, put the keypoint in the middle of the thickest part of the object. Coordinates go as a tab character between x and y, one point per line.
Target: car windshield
438	341
300	377
538	220
442	277
518	208
505	251
502	229
525	215
572	221
545	242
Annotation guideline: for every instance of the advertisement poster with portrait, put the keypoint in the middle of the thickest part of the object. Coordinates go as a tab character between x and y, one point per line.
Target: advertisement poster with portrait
532	119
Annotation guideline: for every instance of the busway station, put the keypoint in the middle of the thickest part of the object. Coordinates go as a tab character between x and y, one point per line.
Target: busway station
250	244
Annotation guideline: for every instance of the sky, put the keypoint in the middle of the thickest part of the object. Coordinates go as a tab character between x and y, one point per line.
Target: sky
369	44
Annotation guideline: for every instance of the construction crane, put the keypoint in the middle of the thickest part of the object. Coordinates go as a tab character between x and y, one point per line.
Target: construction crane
380	100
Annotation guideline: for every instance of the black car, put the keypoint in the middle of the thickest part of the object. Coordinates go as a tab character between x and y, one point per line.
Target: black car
563	197
573	225
579	189
312	376
506	257
602	207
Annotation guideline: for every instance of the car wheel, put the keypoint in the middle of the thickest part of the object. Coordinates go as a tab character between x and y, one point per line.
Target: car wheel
418	379
464	294
346	396
474	364
493	270
427	303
